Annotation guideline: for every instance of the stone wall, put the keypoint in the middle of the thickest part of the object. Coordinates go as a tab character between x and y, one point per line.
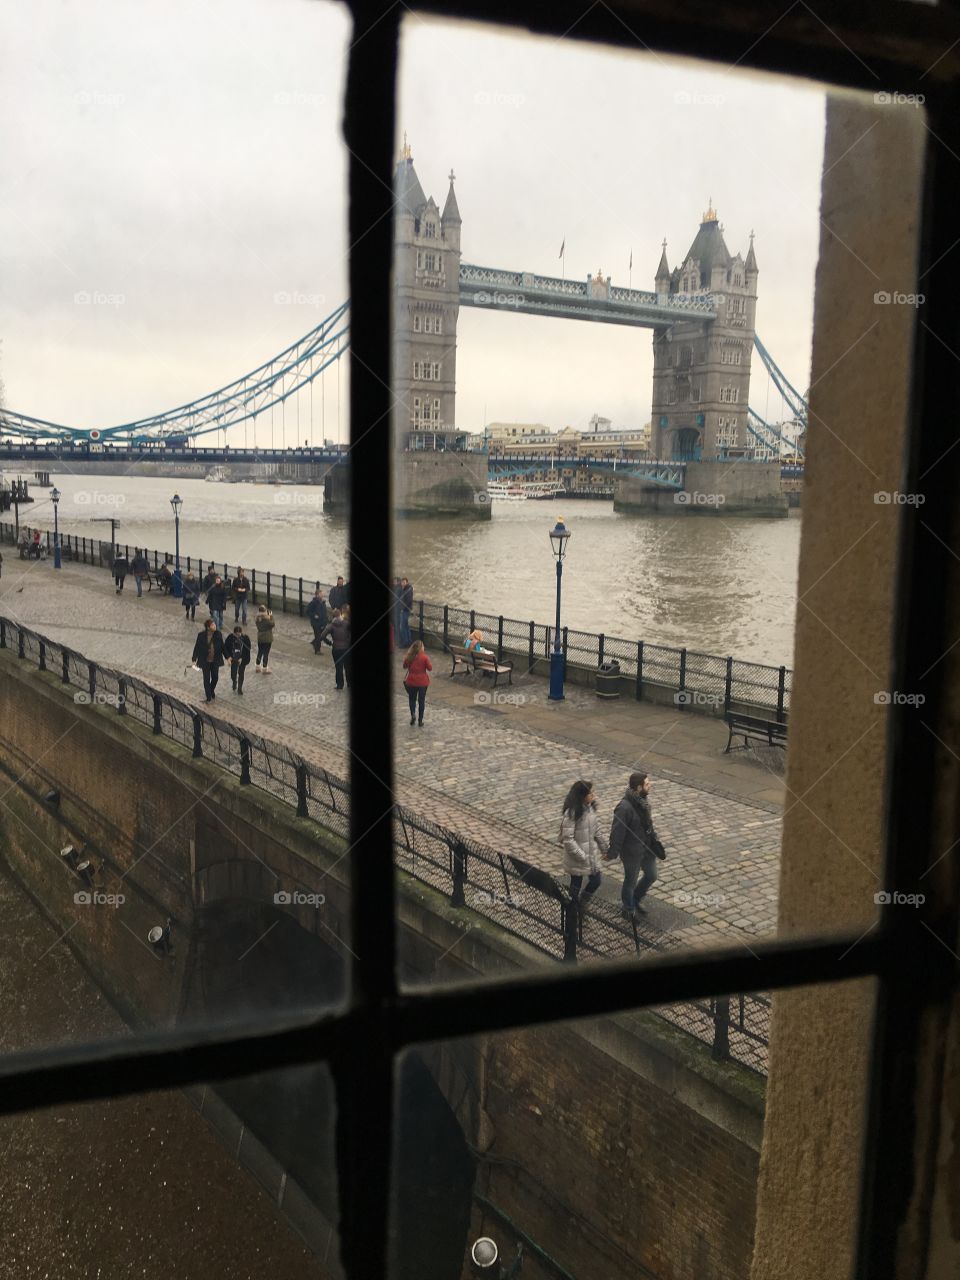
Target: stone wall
741	488
425	483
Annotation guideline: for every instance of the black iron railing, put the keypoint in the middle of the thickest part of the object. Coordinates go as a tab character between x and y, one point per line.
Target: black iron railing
524	900
700	682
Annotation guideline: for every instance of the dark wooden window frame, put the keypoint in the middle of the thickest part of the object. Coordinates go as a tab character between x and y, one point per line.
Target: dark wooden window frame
911	48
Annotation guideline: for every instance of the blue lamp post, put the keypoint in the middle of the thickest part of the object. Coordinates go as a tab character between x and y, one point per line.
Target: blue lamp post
55	499
558	541
176	587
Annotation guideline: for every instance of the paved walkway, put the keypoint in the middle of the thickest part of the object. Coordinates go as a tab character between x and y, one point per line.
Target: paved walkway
718	815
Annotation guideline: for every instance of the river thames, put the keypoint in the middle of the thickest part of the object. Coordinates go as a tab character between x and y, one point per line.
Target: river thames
714	584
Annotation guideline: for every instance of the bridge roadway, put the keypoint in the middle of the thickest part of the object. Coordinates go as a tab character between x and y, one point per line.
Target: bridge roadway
489	770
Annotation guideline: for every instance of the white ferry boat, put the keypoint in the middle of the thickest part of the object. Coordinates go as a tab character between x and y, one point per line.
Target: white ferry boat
521	490
215	476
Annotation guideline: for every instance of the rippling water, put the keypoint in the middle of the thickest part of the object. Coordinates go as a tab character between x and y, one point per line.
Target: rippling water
721	585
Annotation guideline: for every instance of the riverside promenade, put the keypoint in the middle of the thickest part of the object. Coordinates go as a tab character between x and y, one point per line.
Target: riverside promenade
718	815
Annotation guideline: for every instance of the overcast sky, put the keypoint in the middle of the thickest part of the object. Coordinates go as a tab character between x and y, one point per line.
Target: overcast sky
183	166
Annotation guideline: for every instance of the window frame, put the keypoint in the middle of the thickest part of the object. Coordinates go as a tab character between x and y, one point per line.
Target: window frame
902	45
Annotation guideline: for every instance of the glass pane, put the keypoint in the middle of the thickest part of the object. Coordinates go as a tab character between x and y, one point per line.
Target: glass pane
664	421
234	1179
620	1146
192	861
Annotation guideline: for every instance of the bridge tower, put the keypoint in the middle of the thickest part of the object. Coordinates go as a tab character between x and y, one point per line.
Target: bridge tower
701	369
426	269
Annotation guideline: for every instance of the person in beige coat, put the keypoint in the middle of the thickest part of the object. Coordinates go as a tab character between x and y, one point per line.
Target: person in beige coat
583	842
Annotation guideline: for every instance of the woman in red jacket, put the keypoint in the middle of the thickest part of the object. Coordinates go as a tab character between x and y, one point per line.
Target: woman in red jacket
416	664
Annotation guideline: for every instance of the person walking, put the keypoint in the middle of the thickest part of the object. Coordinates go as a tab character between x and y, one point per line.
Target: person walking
582	841
191	596
236	650
317	613
338	595
338	629
35	545
208	656
23	543
265	625
634	841
121	568
417	681
406	608
217	600
208	579
241	589
141	569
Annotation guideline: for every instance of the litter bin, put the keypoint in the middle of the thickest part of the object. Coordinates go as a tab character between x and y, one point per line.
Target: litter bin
608	680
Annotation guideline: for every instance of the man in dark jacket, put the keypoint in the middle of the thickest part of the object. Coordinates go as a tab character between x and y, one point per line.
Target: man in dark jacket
236	649
241	590
339	632
208	656
406	608
338	595
121	567
141	569
317	613
217	600
634	841
208	579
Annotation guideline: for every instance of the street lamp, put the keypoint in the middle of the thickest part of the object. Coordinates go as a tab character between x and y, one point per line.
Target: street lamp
176	587
558	542
55	499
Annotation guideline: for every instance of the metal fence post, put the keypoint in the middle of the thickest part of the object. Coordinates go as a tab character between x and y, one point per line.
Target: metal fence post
92	680
473	619
302	810
500	638
197	735
721	1029
65	675
43	655
683	669
300	596
20	650
781	690
458	856
121	697
420	608
568	924
639	670
157	714
446	626
533	627
244	762
601	639
283	593
253	586
728	686
3	633
269	602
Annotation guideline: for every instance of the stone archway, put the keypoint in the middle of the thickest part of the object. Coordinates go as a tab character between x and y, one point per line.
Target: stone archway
686	444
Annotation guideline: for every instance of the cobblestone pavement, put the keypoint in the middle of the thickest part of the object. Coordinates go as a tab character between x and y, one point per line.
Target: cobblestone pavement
492	766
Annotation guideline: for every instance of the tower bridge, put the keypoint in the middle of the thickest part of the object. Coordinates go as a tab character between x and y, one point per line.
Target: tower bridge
701	314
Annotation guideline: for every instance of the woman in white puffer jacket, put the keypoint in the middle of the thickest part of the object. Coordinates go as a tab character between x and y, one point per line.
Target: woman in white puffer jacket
583	841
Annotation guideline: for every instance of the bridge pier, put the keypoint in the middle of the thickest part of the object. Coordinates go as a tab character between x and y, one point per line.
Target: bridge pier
742	488
425	483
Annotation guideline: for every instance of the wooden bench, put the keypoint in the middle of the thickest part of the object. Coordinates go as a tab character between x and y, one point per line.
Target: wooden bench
467	661
773	733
